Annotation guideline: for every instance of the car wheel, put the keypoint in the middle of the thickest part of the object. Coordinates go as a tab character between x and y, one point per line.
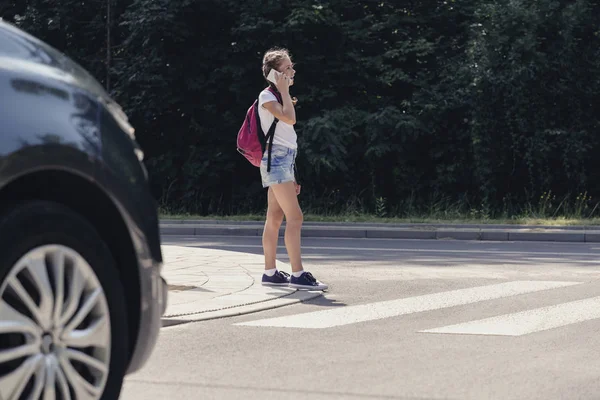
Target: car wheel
63	327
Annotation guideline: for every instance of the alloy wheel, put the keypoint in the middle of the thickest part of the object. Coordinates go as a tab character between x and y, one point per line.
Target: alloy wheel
55	336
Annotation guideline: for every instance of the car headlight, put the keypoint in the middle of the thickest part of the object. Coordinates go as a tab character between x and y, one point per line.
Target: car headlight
119	115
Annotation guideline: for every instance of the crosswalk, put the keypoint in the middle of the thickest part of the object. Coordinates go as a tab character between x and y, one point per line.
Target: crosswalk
513	324
530	321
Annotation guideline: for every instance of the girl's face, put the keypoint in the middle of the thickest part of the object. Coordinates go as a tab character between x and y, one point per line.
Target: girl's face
287	68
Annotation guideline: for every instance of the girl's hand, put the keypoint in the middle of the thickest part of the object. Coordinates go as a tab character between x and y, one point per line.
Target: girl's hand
298	187
282	82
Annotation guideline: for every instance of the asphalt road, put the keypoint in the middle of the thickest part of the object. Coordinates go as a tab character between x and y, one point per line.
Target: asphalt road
403	319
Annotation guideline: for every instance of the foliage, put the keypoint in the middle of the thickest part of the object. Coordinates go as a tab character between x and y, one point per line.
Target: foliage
484	103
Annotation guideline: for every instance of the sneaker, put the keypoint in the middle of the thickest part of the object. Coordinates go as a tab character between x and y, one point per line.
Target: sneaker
307	281
279	278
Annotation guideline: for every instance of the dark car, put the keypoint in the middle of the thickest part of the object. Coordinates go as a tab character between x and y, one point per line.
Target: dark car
81	293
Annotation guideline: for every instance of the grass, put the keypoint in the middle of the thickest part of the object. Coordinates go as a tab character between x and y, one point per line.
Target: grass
525	220
547	211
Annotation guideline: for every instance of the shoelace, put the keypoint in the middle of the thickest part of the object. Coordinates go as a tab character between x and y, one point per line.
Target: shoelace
309	277
285	274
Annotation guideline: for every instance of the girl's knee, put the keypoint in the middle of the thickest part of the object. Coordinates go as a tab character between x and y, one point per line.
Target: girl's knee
295	218
275	217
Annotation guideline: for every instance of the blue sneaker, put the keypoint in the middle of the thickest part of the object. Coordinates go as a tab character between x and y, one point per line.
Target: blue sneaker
279	278
307	281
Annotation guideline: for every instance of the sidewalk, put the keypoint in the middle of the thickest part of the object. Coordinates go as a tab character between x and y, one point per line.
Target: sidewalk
589	234
207	284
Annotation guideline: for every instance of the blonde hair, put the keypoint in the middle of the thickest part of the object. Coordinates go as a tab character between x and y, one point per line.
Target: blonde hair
273	58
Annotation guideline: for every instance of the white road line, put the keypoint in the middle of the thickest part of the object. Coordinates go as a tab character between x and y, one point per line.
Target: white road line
526	254
386	309
523	323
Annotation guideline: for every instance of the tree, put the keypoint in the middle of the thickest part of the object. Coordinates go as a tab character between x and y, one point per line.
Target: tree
534	118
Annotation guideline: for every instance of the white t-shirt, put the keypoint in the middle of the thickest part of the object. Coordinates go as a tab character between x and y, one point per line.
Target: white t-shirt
285	134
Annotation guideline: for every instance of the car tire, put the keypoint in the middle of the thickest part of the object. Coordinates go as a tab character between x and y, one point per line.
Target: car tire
80	335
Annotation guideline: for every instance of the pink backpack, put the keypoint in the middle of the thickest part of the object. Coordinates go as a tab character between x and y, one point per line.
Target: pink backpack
251	139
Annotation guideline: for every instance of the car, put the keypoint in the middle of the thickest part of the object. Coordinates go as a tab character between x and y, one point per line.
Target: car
81	286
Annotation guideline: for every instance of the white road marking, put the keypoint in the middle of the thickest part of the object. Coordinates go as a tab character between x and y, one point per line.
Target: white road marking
525	254
525	322
393	308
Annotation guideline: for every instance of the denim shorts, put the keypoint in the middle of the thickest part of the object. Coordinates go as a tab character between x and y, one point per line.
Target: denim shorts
282	166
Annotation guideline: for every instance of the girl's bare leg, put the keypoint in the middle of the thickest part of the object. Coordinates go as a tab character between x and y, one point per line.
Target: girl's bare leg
286	197
271	231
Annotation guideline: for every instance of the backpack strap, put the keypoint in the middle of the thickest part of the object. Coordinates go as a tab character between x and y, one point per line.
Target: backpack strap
271	133
269	139
275	93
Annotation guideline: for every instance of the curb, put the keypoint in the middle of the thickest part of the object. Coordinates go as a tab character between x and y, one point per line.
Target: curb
575	234
179	222
298	296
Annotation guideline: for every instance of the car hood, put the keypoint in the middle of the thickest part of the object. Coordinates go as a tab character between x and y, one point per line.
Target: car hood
42	59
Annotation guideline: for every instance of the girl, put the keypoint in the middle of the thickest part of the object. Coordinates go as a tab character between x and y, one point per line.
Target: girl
280	180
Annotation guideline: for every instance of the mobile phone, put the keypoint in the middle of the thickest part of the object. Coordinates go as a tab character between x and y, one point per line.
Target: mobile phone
272	77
